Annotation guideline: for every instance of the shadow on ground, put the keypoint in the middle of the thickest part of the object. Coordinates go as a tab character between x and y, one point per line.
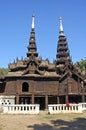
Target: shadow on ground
77	124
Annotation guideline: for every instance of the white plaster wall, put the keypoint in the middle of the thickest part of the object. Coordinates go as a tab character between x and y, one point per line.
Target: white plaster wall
7	100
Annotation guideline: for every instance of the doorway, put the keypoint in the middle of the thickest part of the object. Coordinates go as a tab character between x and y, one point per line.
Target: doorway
75	99
41	102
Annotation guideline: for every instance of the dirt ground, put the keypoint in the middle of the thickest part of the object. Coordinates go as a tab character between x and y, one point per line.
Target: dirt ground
43	121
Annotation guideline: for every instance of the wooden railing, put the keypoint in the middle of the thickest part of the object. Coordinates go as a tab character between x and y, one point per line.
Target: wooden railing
34	108
83	106
21	109
62	108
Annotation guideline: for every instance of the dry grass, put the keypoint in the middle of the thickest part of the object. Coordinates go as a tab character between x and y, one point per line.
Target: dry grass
43	122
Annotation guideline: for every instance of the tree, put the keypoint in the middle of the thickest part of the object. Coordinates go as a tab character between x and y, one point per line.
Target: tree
3	71
81	64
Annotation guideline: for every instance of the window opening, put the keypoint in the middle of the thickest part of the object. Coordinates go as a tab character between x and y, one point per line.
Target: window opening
25	87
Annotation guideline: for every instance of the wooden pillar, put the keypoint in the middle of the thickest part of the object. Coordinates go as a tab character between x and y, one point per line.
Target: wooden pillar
17	99
46	102
83	98
66	98
58	101
32	99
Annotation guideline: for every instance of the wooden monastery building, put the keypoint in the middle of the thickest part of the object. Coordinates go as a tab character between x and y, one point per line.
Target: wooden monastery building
33	80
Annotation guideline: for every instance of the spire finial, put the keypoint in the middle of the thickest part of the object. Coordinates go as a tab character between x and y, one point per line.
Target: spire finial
33	26
61	27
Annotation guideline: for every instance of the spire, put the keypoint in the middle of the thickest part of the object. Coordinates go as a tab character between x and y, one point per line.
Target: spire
61	27
63	54
33	25
32	49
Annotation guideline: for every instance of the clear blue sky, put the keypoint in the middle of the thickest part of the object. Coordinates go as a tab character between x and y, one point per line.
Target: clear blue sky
15	28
